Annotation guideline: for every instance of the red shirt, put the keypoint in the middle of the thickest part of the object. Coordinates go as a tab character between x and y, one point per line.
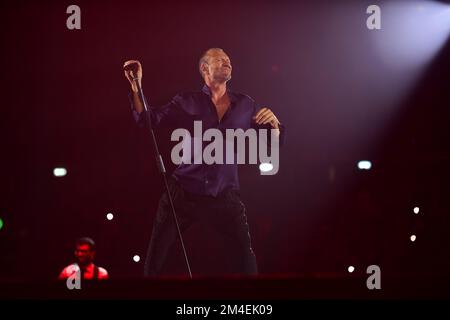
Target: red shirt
88	273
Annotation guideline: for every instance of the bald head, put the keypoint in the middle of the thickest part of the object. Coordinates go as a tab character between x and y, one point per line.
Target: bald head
215	64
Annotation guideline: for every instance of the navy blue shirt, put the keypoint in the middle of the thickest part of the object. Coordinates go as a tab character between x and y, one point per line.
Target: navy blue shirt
183	110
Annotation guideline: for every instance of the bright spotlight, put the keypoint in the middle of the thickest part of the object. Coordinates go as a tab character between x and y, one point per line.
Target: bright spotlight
416	210
351	269
416	30
265	167
59	172
364	165
136	258
109	216
412	238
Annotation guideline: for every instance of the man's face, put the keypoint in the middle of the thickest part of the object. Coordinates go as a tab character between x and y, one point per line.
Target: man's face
83	254
219	66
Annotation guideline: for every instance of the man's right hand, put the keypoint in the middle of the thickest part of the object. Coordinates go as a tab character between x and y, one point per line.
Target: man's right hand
129	74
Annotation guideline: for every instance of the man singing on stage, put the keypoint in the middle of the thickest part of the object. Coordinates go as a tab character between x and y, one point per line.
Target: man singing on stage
200	191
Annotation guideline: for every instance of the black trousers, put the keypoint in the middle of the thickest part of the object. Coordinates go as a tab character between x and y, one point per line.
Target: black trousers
225	213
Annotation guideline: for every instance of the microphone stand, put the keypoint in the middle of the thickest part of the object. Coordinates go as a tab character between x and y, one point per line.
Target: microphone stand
162	170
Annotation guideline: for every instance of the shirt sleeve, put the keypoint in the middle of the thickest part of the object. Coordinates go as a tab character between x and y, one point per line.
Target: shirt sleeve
157	114
63	275
68	271
102	273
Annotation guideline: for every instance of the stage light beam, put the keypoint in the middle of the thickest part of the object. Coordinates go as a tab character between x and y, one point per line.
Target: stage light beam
136	258
414	32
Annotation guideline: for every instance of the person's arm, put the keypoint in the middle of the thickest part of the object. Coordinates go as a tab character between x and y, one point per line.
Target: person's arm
137	103
264	118
137	106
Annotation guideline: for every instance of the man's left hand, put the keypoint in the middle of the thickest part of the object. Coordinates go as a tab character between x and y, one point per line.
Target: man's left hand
265	115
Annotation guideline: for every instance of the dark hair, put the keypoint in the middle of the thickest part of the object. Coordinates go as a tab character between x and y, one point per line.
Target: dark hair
86	240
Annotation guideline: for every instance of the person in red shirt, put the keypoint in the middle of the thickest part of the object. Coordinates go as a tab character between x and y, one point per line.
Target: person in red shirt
84	265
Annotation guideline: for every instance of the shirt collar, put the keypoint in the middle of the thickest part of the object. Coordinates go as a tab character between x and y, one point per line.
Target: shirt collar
206	90
88	268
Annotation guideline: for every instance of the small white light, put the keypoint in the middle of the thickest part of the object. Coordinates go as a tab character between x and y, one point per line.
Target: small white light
59	172
136	258
416	210
351	269
265	167
413	238
364	165
109	216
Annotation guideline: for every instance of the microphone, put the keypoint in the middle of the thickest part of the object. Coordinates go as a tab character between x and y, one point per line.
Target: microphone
132	68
